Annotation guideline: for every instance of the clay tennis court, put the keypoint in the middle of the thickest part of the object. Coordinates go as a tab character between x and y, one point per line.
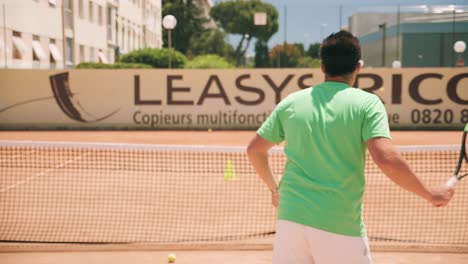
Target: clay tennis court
223	138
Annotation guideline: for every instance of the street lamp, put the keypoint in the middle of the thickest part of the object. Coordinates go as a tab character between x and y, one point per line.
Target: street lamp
322	29
396	64
169	23
244	56
459	47
383	27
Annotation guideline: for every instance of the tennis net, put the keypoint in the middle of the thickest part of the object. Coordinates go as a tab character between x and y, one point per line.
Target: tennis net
87	193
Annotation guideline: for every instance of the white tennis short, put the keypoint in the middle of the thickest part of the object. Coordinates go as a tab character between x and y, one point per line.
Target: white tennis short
300	244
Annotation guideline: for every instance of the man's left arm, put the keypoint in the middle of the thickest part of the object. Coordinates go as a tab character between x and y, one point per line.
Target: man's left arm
258	156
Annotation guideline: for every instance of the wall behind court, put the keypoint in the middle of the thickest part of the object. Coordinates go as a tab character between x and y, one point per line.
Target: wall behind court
415	98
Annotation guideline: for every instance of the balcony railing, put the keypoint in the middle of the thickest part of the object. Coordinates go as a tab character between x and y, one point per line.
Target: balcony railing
36	64
113	2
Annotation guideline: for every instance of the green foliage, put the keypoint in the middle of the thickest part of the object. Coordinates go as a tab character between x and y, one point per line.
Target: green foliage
308	62
211	42
190	22
237	17
314	51
262	59
157	58
301	48
210	61
95	65
285	56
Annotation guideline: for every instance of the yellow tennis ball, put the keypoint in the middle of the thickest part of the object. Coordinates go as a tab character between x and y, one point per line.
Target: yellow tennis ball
210	130
171	258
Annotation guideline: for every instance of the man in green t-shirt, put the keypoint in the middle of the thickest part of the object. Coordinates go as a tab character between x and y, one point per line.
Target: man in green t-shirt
327	130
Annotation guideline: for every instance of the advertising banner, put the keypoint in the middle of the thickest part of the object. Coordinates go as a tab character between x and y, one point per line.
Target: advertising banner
423	98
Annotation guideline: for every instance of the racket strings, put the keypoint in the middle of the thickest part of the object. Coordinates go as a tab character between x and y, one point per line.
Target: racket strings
462	176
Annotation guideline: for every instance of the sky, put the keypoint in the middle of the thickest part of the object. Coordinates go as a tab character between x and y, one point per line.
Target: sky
309	21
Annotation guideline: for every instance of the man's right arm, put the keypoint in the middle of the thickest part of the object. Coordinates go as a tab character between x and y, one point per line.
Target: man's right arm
398	170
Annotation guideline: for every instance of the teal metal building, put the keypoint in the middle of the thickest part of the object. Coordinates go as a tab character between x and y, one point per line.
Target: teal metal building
416	40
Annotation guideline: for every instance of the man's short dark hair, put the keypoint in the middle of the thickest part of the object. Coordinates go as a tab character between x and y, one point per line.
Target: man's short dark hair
340	53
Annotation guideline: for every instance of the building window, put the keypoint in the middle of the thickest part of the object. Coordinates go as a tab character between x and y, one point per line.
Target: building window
128	38
82	53
109	24
68	12
2	52
100	16
81	9
91	54
69	51
38	51
116	38
91	11
109	16
54	54
68	4
122	39
137	41
19	48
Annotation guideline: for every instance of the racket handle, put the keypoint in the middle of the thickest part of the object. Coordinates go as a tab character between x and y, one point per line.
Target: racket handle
452	182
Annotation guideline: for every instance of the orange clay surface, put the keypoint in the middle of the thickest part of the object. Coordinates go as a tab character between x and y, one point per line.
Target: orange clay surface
227	138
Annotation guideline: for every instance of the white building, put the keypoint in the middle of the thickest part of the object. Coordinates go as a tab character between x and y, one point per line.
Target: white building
61	33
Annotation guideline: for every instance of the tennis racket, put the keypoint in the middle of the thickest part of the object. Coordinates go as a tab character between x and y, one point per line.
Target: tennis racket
463	156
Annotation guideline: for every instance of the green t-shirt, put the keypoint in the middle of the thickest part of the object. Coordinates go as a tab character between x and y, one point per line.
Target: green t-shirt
325	129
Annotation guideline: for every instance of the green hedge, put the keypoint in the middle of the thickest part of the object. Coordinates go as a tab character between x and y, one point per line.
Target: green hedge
157	58
208	62
95	65
308	62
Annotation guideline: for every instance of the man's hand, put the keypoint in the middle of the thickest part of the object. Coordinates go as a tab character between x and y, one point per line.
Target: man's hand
440	195
398	170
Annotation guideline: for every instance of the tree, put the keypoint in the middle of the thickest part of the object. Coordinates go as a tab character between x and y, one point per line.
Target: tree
286	56
190	22
262	59
314	51
211	42
301	48
237	17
